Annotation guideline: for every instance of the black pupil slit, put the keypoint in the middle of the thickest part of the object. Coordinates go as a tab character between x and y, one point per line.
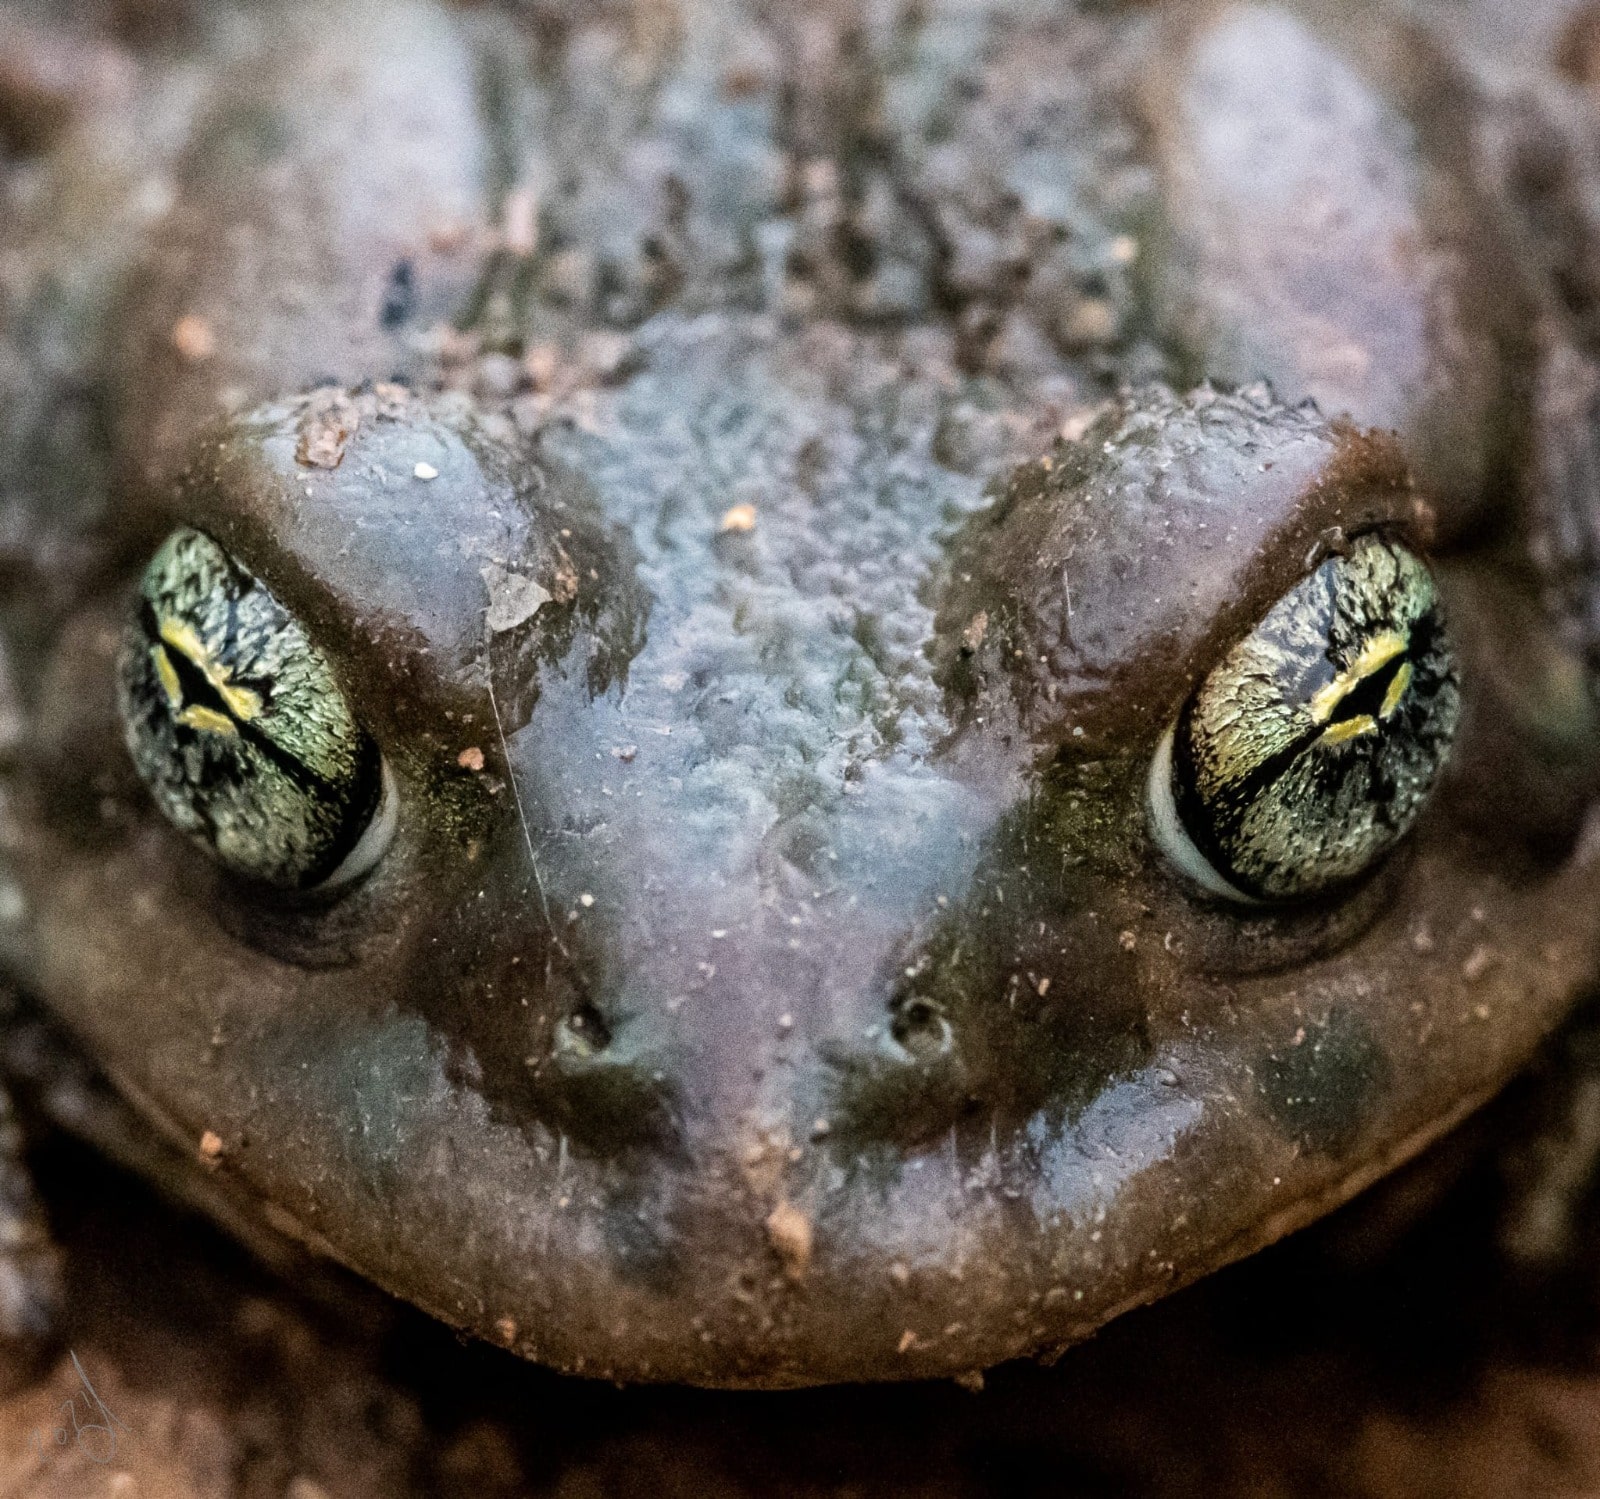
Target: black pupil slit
199	692
197	688
1366	698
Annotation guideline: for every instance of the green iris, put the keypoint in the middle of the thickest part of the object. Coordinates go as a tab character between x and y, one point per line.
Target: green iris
237	725
1311	749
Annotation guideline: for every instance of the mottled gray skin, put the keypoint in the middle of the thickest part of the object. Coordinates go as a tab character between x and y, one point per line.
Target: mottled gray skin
773	979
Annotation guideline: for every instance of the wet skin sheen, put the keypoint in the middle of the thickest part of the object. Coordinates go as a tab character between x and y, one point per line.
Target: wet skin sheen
748	494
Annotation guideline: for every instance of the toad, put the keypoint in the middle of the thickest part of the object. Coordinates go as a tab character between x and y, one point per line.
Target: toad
764	695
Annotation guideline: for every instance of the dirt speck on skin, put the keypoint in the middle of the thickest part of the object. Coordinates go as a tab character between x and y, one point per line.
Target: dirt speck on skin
329	422
193	338
513	598
790	1234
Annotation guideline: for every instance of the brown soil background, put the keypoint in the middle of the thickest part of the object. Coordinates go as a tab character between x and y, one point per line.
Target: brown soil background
1392	1351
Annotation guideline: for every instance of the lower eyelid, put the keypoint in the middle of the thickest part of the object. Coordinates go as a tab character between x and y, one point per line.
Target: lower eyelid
374	842
1172	838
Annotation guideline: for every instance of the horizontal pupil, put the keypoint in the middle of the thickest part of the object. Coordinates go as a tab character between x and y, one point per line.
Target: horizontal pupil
1366	699
196	690
1211	826
206	710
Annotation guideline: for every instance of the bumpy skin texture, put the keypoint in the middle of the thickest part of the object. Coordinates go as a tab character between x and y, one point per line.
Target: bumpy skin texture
773	979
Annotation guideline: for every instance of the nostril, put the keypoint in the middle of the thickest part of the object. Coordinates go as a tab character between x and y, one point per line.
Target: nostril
582	1033
606	1084
919	1026
908	1086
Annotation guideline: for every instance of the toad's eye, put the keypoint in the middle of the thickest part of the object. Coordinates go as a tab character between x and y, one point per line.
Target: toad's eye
1310	750
236	724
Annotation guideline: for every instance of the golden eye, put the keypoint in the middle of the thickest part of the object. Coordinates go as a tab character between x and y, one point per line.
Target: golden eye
1309	752
237	725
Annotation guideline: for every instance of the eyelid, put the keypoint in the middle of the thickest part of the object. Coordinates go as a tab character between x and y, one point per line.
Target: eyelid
1173	839
374	841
